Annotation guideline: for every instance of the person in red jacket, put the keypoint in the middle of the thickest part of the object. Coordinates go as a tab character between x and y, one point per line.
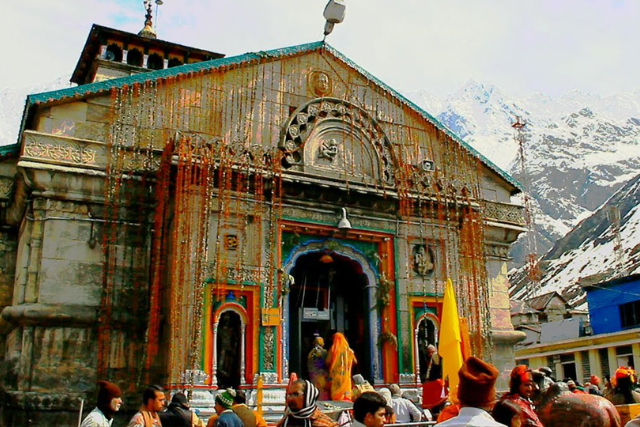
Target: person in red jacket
521	388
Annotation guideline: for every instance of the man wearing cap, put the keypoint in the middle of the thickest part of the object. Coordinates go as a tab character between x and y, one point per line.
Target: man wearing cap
109	402
405	410
477	395
248	417
178	414
153	400
573	387
302	410
226	417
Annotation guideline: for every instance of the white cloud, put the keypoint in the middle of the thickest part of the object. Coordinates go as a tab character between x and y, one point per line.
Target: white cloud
521	46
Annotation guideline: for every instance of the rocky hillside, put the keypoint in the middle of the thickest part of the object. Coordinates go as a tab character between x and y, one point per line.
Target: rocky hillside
604	246
580	149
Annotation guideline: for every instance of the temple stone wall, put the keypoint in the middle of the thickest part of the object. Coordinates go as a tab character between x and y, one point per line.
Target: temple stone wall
8	249
82	119
50	293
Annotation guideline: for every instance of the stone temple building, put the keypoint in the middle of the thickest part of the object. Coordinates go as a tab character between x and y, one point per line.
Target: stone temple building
194	220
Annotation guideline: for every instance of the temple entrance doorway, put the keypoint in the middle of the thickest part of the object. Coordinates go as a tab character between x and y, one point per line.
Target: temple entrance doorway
425	335
229	334
330	294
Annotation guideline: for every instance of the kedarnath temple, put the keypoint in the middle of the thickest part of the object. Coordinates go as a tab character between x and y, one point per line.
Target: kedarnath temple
193	220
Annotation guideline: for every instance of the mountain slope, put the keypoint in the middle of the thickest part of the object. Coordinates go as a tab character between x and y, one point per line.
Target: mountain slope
604	246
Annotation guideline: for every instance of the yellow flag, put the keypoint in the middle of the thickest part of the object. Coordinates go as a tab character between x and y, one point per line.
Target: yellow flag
450	338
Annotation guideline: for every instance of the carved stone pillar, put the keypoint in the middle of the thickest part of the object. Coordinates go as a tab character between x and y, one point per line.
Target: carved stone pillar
503	336
214	369
242	355
416	352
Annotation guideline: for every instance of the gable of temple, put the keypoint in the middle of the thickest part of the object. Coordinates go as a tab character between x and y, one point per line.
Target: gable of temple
329	118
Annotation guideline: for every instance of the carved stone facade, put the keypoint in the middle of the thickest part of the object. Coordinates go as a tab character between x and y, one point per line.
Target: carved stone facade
97	205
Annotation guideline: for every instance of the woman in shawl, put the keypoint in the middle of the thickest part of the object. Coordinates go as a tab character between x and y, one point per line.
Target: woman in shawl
317	368
340	360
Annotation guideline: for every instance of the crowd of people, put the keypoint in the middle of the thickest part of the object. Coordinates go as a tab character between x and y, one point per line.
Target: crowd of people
531	394
474	403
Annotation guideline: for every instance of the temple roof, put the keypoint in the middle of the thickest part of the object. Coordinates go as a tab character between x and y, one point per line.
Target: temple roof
99	34
100	88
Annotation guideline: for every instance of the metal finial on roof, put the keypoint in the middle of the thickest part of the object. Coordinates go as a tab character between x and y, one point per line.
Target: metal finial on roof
148	30
334	14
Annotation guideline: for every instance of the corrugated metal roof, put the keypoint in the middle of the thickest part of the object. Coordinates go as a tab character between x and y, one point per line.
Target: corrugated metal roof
520	307
541	302
216	64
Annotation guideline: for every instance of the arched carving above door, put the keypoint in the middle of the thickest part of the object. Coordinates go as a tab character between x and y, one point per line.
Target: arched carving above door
338	140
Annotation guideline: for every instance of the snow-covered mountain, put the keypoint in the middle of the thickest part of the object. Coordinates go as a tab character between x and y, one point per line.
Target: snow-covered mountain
580	149
604	246
12	105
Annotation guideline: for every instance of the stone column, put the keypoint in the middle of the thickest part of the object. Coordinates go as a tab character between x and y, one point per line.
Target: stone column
579	370
635	348
243	368
214	369
557	367
503	336
594	363
613	360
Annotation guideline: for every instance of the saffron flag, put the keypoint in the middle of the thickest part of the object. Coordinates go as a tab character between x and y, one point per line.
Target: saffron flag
450	339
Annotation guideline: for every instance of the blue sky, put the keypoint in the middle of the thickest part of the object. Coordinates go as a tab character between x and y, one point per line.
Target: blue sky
521	46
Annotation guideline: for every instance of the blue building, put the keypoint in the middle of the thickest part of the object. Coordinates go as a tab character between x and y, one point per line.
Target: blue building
611	340
614	305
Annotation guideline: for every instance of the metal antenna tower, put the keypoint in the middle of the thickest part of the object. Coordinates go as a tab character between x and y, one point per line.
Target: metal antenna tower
533	265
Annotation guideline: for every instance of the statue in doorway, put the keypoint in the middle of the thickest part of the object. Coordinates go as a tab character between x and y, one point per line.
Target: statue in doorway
318	369
228	355
423	351
340	361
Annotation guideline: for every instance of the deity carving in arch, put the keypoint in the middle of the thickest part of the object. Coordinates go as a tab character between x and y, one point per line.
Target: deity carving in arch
423	261
328	149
